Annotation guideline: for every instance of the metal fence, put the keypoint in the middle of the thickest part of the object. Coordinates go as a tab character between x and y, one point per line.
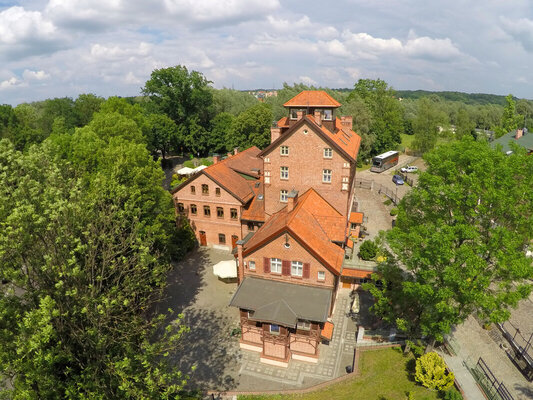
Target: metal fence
522	348
493	389
377	187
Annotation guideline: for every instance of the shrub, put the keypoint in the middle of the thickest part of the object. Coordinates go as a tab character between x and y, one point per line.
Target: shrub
387	202
394	212
452	394
431	372
189	164
176	181
206	162
368	250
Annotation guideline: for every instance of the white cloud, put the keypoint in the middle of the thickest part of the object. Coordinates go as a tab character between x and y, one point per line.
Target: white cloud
307	80
29	75
8	83
521	30
220	12
437	49
24	33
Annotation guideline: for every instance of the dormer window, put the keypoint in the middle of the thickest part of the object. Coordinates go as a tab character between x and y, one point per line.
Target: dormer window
294	112
327	114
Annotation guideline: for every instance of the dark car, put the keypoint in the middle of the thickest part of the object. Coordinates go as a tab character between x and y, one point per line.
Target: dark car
397	179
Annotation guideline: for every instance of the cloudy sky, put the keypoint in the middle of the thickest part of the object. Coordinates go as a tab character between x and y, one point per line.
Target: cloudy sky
56	48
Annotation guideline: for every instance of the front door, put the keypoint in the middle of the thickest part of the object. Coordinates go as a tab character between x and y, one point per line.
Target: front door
203	239
234	241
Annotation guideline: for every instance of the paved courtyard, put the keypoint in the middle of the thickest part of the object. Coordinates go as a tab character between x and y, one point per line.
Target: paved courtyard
211	353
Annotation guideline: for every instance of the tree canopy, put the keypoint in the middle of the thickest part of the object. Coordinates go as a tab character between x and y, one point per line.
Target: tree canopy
460	238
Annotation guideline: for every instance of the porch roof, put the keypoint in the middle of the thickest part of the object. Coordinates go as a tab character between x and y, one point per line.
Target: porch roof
282	303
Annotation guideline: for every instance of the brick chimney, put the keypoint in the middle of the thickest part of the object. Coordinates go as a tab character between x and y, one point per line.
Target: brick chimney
347	122
216	158
292	199
275	133
240	267
236	150
318	117
299	115
519	133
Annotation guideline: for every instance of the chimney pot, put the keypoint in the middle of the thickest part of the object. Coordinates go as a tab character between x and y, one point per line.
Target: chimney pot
299	115
236	150
216	158
318	117
519	133
275	133
292	199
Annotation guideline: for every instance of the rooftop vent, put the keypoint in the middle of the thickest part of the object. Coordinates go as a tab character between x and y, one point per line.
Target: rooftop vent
260	197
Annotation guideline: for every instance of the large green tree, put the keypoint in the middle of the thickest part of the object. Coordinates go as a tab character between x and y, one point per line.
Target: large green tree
187	99
251	128
387	116
83	258
426	125
510	119
460	237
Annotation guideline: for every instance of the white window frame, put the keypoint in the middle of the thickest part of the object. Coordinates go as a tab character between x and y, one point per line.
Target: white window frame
276	330
251	265
283	194
275	265
284	173
303	325
326	175
297	268
321	276
327	118
328	152
284	150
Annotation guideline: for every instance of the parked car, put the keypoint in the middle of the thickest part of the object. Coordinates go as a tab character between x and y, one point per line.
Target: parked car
397	179
409	168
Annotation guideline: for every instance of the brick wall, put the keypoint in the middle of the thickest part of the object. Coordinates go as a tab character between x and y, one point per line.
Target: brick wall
212	225
306	163
276	249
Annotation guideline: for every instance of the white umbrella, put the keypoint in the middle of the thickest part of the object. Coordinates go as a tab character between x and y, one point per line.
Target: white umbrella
185	171
201	167
225	269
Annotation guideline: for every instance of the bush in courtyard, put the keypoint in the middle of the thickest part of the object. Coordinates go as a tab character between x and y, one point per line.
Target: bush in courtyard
189	164
206	162
394	212
387	202
368	250
452	394
431	372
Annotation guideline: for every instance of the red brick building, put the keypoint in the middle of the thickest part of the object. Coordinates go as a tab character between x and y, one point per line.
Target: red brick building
287	210
223	201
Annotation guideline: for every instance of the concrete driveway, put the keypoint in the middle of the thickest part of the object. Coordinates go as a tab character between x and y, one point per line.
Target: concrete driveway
208	352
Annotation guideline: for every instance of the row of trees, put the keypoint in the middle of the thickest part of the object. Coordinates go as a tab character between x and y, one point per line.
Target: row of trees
460	241
87	237
185	115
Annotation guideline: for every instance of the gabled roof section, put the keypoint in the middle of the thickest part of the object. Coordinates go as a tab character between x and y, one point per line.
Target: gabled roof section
312	98
255	210
526	141
227	174
314	223
282	302
343	139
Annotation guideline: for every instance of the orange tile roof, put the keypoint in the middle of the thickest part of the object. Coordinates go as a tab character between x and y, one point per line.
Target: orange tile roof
312	98
327	332
313	222
356	217
356	273
343	138
255	211
227	173
283	122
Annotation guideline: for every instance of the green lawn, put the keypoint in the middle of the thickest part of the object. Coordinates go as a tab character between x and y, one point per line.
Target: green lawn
384	376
